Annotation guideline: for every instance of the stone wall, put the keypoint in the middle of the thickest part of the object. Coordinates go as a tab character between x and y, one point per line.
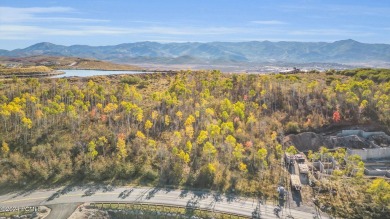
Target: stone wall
360	133
370	153
371	172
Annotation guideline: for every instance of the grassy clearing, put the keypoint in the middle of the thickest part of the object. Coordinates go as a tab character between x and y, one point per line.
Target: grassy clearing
15	213
25	70
150	210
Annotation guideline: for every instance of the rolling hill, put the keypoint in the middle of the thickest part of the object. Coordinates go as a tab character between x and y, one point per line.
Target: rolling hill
343	52
61	62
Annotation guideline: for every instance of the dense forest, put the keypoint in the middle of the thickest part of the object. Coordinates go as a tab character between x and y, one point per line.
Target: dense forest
201	129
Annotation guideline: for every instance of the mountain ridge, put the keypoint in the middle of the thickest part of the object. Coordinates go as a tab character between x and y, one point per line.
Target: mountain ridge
342	51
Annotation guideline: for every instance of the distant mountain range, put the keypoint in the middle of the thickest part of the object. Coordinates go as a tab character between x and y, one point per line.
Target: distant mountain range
343	52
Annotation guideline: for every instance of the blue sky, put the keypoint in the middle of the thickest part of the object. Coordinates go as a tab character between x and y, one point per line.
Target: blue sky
110	22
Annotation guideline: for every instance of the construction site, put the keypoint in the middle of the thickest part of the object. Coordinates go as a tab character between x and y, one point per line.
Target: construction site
372	147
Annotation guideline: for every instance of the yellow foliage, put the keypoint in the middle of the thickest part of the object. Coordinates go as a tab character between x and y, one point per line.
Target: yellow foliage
203	135
214	130
140	135
230	140
139	114
242	167
292	150
189	146
273	136
238	150
251	119
380	190
154	114
111	107
27	122
189	131
179	115
167	120
262	153
148	124
99	106
211	167
184	156
4	148
152	143
102	140
189	120
209	149
210	112
92	153
121	149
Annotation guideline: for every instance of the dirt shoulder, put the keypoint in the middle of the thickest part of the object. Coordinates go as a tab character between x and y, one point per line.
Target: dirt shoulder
62	211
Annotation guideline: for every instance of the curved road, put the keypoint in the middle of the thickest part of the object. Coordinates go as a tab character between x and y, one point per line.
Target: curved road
213	201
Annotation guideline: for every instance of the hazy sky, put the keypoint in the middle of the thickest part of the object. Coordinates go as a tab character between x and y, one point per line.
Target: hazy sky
109	22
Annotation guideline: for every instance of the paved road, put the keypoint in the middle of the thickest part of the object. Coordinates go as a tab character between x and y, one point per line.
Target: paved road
67	195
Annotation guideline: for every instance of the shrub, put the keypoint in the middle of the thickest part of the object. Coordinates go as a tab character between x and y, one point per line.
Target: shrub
292	127
142	84
149	176
131	80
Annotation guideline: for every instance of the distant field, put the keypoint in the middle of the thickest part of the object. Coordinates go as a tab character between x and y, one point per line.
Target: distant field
64	63
96	65
27	71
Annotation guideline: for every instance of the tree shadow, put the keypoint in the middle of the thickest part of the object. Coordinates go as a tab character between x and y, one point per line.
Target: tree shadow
108	188
191	206
297	198
152	193
282	202
168	189
200	194
24	192
126	193
183	193
63	191
231	197
69	188
54	195
24	189
91	190
256	214
217	197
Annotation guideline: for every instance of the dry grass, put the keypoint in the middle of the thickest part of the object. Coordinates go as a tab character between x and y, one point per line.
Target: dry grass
101	65
25	70
66	63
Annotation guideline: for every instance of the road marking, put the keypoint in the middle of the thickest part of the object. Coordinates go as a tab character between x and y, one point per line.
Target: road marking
36	198
107	193
20	200
83	194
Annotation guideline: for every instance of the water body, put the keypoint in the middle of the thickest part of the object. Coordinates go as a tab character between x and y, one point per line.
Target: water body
88	73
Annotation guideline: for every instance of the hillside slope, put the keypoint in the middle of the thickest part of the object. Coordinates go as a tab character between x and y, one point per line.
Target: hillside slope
344	51
57	62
